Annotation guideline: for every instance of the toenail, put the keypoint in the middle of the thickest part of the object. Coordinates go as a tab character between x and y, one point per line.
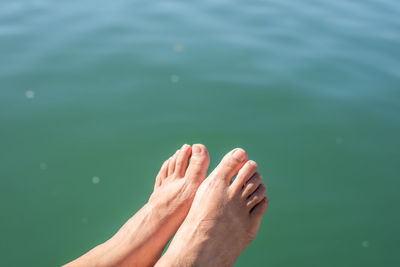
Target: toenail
240	155
252	163
185	146
196	149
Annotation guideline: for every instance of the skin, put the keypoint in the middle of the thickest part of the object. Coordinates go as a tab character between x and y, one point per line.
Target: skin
224	218
142	239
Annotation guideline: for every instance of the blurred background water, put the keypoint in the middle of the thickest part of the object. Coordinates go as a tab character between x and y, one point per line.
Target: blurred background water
95	95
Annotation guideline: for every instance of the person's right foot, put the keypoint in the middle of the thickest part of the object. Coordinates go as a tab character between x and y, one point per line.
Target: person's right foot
224	218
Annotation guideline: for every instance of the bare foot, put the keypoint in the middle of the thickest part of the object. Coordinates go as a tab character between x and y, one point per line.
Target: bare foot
142	239
224	218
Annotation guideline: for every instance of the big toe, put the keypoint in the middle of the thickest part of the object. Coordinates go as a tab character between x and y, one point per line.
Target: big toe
230	164
199	162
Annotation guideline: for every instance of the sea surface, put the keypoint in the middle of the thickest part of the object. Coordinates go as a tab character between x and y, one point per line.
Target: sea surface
95	95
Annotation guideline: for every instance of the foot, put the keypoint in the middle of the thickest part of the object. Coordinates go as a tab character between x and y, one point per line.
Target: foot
142	239
224	218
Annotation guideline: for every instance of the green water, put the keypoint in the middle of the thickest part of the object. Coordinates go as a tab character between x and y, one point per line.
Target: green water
109	89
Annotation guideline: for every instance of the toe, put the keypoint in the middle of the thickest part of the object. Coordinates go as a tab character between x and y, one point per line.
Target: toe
199	162
182	160
172	163
256	197
162	174
230	164
259	210
251	185
245	173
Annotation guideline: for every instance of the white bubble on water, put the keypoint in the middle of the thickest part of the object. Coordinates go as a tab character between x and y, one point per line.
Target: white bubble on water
365	244
30	94
43	166
175	78
179	48
339	140
95	180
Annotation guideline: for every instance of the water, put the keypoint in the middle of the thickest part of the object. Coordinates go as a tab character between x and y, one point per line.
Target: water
95	95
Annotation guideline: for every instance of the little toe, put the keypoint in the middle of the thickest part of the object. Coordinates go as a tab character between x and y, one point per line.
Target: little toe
182	160
172	163
230	164
256	197
245	173
162	174
251	185
198	165
259	210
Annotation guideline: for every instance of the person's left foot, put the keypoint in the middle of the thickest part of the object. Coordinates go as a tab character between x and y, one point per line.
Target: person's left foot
142	239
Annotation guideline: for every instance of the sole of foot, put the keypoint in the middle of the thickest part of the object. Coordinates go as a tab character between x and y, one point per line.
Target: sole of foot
224	218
